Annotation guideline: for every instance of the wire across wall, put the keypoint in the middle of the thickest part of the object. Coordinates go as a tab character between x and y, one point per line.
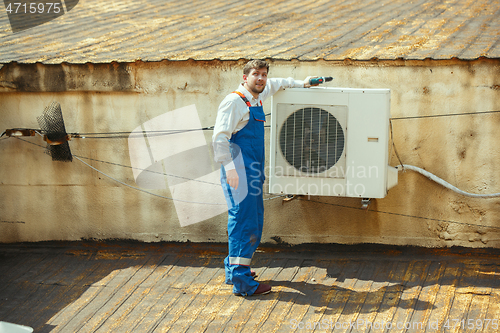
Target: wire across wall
125	134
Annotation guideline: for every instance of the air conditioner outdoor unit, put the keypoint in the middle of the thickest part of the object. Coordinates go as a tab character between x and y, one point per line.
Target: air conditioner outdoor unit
331	142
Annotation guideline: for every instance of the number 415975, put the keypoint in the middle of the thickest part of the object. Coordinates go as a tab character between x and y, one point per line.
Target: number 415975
472	323
33	8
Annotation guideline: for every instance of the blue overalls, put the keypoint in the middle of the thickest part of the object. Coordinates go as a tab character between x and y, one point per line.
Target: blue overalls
245	213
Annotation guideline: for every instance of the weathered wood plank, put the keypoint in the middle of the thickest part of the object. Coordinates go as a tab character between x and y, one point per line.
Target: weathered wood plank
14	265
215	303
360	291
475	320
445	295
310	283
338	294
141	289
285	285
166	293
388	305
375	295
129	296
190	302
139	302
95	306
462	299
350	296
221	295
86	290
246	310
250	316
411	290
63	288
232	303
32	288
492	317
427	296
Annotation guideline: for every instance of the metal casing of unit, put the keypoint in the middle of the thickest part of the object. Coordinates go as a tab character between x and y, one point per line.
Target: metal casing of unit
331	142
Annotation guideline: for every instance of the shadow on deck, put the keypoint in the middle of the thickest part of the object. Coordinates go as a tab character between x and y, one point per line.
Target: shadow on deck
137	287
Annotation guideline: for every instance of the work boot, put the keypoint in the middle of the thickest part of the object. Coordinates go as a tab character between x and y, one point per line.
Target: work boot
262	289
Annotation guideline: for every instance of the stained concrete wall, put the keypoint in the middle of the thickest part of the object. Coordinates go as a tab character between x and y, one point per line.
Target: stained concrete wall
46	200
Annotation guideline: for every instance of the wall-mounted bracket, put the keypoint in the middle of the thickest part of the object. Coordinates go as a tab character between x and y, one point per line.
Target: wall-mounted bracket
365	202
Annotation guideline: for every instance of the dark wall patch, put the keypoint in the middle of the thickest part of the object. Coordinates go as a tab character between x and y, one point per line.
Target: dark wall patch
122	77
24	77
65	77
54	78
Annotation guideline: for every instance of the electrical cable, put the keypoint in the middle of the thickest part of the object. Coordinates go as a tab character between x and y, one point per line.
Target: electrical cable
161	173
151	171
446	115
133	187
161	196
393	144
125	135
159	131
115	135
128	134
140	189
404	215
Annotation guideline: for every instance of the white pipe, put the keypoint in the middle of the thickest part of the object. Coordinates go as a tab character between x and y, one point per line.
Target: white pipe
445	183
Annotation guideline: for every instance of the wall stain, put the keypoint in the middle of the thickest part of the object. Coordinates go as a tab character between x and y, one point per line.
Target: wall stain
62	77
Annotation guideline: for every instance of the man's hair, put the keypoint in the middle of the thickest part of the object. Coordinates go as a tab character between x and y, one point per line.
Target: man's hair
255	64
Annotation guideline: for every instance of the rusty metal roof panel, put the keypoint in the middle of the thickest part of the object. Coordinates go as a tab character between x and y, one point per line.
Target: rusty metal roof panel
155	30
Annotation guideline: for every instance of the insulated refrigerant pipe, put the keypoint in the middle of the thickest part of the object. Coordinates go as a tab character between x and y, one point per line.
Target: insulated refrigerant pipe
445	183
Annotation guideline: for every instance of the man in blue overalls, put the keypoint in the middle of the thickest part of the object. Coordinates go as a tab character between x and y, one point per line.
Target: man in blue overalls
239	146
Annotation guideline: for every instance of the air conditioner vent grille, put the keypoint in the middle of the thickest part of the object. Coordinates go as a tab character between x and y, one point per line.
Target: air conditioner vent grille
312	140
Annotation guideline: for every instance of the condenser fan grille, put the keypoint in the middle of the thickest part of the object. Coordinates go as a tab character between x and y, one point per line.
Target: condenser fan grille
312	140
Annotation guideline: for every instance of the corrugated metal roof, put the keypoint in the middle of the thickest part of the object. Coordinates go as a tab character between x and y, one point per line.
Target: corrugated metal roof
125	31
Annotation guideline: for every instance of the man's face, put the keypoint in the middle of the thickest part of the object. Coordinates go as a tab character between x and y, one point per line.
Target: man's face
256	80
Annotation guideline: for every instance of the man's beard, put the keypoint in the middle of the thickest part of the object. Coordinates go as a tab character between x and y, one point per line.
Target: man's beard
258	91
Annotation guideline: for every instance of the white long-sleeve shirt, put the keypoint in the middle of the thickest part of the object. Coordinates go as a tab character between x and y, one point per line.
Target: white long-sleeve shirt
233	115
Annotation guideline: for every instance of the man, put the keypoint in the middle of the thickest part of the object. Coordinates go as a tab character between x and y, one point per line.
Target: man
239	146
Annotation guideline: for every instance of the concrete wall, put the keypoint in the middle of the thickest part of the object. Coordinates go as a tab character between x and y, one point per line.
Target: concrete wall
46	200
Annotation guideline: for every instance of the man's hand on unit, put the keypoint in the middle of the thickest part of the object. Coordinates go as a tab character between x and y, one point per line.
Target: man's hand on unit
307	82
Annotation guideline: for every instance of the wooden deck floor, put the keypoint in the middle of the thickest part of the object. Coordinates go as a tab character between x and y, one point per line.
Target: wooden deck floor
135	287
